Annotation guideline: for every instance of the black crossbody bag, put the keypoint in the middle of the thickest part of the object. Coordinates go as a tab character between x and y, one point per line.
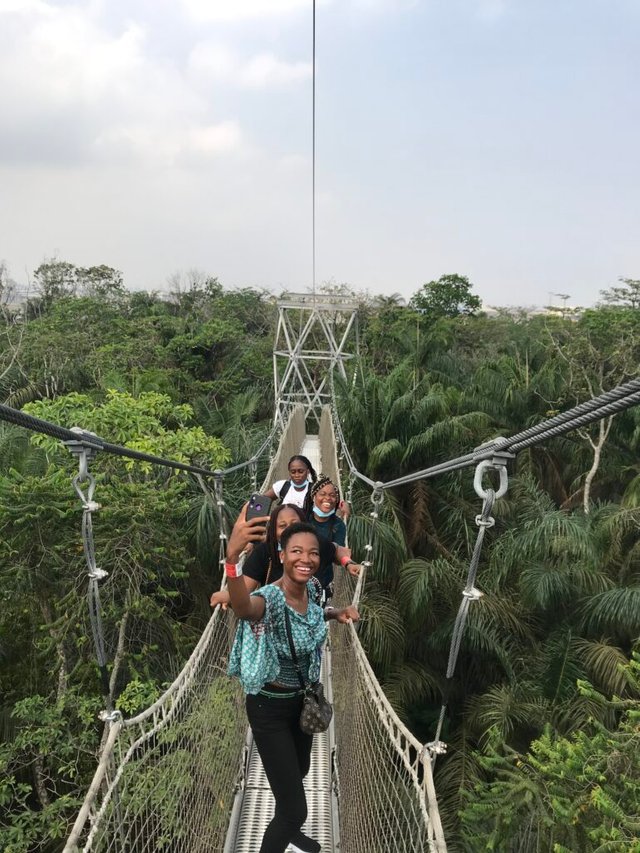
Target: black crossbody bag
316	711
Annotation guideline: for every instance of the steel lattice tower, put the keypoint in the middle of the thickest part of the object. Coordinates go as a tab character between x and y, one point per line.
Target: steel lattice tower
316	335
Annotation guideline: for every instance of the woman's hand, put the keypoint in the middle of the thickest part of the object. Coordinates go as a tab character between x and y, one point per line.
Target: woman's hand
346	615
245	533
354	569
343	615
220	598
344	510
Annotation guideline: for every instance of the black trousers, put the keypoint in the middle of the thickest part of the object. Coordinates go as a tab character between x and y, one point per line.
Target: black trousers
286	755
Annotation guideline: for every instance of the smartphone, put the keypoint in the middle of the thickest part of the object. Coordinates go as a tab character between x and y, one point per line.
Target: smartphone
258	505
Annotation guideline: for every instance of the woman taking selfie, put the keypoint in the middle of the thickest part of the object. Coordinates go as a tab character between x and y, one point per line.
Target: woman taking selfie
263	564
262	658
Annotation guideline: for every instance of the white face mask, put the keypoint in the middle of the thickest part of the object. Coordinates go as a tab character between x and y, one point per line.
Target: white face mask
322	513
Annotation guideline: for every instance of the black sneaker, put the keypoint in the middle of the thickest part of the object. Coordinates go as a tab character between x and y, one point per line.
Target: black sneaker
301	843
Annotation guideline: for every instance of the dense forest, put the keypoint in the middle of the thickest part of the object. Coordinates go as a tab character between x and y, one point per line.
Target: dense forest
544	712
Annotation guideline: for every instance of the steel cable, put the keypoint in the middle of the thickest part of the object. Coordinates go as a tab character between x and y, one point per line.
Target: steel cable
609	403
34	424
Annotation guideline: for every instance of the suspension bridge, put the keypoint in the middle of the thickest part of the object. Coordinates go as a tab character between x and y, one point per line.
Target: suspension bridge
183	775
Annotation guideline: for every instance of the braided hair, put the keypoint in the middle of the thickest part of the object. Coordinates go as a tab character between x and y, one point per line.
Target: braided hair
320	483
305	461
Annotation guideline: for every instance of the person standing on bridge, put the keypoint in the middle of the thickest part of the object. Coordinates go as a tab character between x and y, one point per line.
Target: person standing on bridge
261	658
263	564
320	507
295	489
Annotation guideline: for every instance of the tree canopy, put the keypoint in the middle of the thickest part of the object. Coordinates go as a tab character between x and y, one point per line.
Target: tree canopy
449	296
543	706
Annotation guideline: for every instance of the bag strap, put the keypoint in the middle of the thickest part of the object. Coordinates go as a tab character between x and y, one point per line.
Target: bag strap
285	488
294	656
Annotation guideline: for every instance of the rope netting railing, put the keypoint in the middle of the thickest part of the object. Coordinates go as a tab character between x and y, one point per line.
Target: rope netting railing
167	778
387	799
384	776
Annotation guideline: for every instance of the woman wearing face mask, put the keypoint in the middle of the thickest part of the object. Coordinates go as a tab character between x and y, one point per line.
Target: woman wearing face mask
261	658
320	506
263	564
295	489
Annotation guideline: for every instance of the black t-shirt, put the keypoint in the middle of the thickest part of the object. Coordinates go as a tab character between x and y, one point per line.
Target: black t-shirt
256	564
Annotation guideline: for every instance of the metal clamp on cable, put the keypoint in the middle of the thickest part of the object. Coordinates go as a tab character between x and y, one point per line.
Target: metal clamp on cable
472	594
253	473
491	466
434	747
498	450
110	716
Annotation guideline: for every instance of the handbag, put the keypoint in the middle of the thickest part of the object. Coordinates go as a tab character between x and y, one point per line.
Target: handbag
316	711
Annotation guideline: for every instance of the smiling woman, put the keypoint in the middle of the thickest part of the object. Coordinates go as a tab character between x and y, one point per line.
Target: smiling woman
262	658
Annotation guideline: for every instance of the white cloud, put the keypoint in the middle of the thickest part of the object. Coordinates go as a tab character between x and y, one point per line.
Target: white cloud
73	91
210	62
216	138
241	10
238	11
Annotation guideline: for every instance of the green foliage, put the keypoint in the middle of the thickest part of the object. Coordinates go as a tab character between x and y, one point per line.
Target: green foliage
150	423
565	793
53	749
628	294
137	696
449	296
187	375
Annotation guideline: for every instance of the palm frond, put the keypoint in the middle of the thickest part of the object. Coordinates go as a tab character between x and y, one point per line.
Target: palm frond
606	665
615	612
410	683
382	629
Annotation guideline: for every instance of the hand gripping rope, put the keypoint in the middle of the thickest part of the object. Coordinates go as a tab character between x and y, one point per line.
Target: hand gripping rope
470	593
85	447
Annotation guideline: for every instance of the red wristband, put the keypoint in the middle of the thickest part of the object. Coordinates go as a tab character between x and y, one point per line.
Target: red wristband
233	570
344	561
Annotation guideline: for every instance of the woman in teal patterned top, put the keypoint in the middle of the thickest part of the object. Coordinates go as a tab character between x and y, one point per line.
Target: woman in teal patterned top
261	658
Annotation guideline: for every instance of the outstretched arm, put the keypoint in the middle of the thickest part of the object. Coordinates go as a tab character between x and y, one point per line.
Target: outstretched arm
222	595
244	533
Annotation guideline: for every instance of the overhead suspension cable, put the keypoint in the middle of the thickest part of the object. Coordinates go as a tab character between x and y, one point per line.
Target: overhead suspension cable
313	153
34	424
604	405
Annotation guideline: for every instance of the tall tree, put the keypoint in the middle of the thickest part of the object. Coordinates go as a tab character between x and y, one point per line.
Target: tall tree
449	296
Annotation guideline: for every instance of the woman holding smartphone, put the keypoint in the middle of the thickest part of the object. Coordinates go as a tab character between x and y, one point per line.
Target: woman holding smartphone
261	658
263	564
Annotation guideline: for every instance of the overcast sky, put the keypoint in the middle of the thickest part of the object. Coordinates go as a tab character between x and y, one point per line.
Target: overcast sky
499	139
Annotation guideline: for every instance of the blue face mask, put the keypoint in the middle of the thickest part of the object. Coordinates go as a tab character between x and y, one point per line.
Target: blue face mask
322	514
301	486
279	547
